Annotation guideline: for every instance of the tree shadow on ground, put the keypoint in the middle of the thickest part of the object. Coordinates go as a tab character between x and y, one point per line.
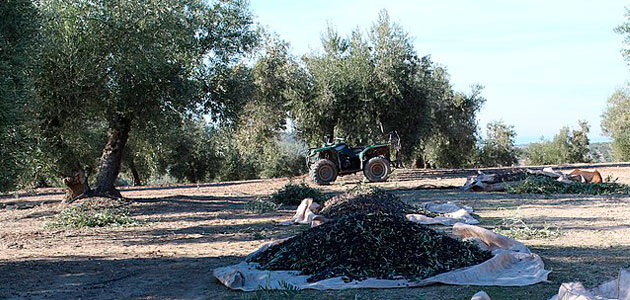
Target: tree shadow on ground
203	234
185	204
100	278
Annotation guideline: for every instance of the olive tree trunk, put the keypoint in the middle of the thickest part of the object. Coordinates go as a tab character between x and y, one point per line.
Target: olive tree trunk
76	185
109	165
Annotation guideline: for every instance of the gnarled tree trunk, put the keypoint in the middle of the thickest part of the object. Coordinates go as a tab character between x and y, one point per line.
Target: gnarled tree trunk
77	185
109	165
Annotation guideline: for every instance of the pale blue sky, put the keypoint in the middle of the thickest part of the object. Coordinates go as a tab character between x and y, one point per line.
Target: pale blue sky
544	64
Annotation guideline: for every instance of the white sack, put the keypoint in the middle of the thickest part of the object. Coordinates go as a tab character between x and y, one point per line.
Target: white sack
304	214
459	216
481	295
451	214
506	268
616	289
444	208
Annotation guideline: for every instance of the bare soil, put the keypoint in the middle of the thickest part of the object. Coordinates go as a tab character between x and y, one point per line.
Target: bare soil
188	230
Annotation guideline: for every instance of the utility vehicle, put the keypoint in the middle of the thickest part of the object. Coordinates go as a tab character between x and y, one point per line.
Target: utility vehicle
338	159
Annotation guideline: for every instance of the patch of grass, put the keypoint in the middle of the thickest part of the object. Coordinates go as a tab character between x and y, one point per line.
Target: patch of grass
518	229
547	185
261	206
515	227
294	193
86	216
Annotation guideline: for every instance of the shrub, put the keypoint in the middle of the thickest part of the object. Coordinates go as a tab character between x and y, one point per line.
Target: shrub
566	147
85	216
498	148
294	193
547	185
516	228
285	158
261	206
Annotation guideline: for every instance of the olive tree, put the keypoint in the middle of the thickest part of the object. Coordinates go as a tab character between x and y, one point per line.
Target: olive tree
18	28
568	146
498	148
128	65
616	123
364	86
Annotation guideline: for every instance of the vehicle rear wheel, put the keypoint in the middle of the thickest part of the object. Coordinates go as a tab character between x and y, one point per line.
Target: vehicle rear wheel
377	169
323	171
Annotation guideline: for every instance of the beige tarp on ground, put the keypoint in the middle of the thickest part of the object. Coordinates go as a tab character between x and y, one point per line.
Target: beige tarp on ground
506	268
616	289
451	214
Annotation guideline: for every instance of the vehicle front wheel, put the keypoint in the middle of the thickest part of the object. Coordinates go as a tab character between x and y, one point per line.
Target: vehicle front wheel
323	171
377	169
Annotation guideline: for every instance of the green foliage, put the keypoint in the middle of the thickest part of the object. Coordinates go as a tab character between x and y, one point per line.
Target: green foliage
616	123
259	137
548	185
498	148
515	227
294	193
87	216
261	206
518	229
624	29
190	153
101	63
453	139
286	158
362	87
18	29
233	165
601	152
566	147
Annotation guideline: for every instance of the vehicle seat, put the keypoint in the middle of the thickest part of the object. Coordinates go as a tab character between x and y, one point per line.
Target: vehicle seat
357	150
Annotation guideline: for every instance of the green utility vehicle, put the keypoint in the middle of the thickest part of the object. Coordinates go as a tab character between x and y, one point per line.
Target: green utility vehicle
338	159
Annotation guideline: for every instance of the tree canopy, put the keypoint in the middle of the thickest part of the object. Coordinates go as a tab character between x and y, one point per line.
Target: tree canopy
568	146
616	123
194	91
124	65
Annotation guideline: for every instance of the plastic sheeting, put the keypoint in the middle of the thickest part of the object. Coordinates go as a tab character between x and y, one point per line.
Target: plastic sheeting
616	289
481	295
305	214
451	214
507	268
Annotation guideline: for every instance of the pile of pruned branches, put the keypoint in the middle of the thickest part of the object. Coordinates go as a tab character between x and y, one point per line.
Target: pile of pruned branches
378	245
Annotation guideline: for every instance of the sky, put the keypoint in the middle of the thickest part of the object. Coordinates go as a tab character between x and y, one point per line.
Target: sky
544	64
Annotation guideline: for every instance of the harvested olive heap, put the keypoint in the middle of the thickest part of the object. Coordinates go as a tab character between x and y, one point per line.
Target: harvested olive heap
368	200
364	246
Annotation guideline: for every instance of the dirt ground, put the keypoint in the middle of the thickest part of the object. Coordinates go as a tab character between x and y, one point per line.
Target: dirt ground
189	230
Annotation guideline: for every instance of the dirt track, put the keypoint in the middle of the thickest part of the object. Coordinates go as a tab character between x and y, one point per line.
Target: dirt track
189	230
